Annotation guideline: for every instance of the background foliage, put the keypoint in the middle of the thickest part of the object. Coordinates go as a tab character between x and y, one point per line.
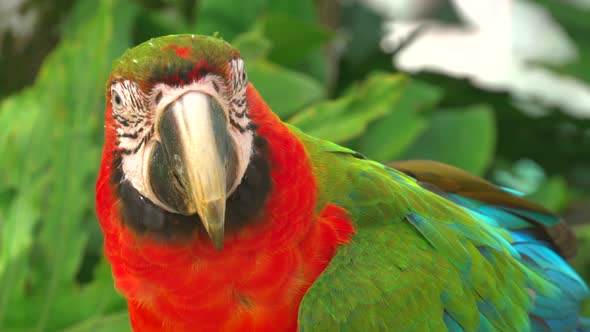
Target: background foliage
319	66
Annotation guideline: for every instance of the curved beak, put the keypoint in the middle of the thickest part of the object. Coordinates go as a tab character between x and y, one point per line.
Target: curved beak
190	165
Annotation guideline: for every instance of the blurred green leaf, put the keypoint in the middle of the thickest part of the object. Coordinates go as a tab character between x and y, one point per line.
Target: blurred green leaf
359	38
464	138
552	194
303	10
253	45
297	44
50	131
581	262
151	24
284	90
363	32
556	141
229	17
348	116
291	38
110	323
387	138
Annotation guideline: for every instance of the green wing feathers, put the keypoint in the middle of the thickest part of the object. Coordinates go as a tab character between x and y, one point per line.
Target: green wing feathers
437	249
452	180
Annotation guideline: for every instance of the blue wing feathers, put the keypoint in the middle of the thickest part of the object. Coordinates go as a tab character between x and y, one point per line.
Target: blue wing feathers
557	298
555	309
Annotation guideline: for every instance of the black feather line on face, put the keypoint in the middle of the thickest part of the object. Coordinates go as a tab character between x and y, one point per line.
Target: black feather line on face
244	205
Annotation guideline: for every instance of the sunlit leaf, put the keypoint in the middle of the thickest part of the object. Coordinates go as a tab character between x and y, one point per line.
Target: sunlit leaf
464	138
387	138
348	116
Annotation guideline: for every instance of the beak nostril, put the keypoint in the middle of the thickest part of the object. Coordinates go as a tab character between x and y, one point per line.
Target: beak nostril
178	182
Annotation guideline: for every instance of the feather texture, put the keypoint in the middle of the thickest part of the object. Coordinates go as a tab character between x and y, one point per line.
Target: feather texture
438	248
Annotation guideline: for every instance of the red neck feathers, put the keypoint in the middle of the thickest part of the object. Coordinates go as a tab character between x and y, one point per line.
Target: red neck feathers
257	281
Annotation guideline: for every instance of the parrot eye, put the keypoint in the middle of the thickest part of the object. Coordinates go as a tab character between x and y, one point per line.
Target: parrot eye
116	99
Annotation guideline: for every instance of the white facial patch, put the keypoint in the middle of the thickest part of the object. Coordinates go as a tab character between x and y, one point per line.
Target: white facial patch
135	128
137	114
238	104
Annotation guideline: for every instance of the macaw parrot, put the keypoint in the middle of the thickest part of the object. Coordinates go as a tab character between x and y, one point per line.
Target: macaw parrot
218	216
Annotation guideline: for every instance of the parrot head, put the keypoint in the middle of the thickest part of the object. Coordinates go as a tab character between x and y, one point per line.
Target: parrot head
182	139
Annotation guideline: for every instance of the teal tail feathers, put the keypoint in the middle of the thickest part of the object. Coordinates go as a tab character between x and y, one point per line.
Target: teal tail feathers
583	325
540	241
